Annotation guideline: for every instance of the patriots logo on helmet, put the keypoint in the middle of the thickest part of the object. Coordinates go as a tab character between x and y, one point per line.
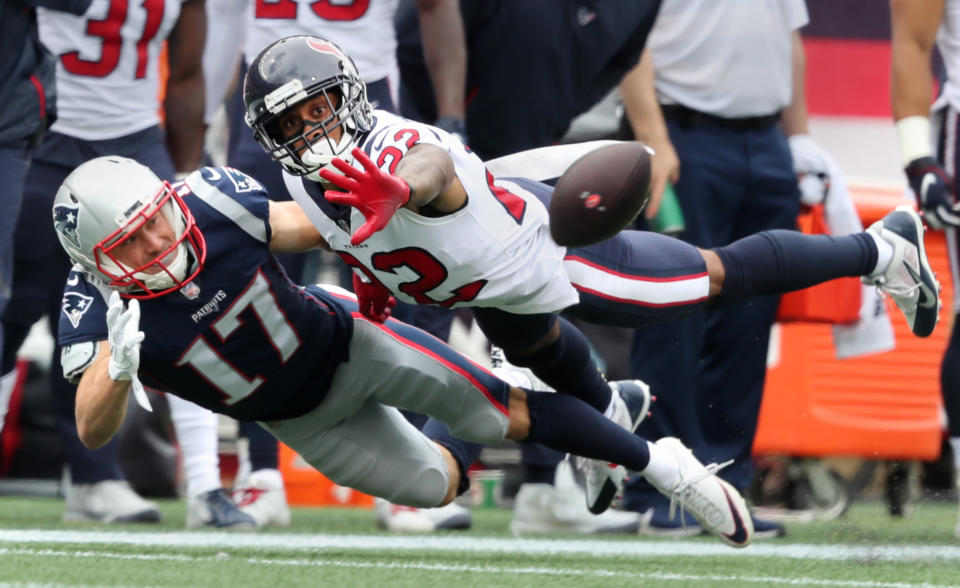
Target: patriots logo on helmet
74	306
65	221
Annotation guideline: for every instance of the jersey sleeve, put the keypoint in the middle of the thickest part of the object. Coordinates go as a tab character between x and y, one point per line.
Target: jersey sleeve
234	195
83	310
392	142
82	323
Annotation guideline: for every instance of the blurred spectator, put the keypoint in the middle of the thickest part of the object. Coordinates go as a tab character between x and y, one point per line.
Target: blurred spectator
730	100
28	94
108	82
918	26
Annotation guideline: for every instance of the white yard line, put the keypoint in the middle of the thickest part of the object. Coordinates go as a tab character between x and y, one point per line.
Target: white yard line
447	543
499	571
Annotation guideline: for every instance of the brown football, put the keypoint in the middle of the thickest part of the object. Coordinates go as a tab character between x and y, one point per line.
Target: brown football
600	194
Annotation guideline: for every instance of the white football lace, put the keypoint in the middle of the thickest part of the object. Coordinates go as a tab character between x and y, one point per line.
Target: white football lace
902	292
676	495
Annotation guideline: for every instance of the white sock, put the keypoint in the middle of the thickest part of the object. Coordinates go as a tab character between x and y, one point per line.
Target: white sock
6	392
609	411
270	476
513	377
196	429
663	467
884	254
955	444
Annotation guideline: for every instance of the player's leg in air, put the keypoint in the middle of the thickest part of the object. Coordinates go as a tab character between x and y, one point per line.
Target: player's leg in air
358	439
640	277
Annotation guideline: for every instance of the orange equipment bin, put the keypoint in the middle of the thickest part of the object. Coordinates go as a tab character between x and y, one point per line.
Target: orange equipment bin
306	486
885	405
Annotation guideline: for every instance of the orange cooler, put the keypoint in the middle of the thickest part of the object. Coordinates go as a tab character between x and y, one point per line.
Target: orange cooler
307	487
885	405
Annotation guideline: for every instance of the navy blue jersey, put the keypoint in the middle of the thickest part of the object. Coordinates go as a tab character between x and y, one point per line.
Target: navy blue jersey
241	339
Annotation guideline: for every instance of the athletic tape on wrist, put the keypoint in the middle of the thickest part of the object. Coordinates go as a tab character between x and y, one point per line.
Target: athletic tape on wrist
913	136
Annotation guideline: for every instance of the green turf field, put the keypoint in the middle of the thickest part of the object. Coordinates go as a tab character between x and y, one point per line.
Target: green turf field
341	547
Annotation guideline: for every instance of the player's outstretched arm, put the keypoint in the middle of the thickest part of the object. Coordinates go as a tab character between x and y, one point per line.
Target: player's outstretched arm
291	231
424	177
102	394
101	402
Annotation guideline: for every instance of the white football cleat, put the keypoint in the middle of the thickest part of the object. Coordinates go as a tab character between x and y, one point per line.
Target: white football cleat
560	508
603	481
716	505
263	496
908	280
630	404
109	501
408	519
216	509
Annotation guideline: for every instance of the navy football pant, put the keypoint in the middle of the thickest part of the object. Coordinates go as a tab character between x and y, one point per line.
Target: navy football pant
41	267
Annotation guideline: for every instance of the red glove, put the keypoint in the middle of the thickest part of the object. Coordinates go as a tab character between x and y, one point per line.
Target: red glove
374	193
375	301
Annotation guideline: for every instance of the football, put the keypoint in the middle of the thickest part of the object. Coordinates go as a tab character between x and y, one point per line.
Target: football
600	194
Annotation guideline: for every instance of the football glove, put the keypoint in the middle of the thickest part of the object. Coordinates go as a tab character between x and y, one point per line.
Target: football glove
376	194
375	301
124	336
934	192
813	166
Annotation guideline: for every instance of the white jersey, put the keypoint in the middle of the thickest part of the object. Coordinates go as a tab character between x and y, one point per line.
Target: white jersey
495	252
948	41
363	28
108	72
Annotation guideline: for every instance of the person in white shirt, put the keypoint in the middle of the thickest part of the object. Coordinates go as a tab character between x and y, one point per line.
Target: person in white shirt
729	79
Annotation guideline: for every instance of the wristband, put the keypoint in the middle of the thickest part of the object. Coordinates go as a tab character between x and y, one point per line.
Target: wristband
913	136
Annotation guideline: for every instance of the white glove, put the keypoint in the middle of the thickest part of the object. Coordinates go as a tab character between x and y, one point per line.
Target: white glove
813	166
124	336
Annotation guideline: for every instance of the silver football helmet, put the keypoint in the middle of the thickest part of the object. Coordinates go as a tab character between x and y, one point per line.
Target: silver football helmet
106	200
296	69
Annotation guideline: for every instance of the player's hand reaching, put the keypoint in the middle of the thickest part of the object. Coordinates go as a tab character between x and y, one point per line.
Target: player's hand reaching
934	192
124	337
375	301
375	193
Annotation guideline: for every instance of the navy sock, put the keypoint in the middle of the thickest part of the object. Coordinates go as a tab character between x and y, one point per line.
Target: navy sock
464	452
778	261
263	447
567	366
567	424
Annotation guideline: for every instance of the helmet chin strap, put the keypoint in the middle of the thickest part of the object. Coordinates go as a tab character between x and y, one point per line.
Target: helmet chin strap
161	280
317	159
